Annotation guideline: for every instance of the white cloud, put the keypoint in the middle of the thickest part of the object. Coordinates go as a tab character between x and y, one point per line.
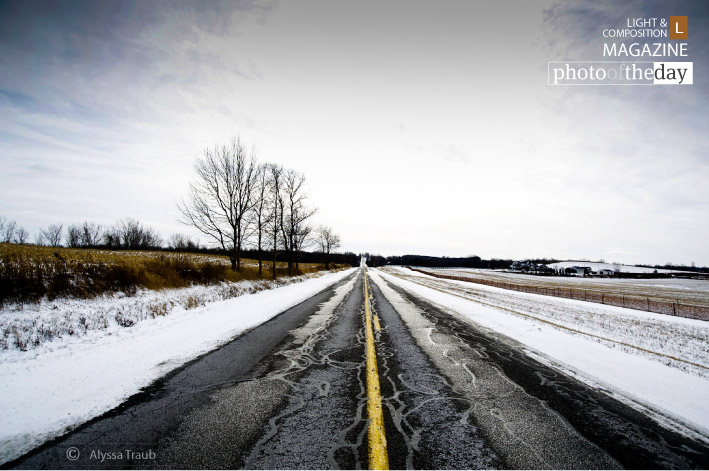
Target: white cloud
422	128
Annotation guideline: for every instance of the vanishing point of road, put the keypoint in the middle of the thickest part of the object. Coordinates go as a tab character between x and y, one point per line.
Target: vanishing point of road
368	375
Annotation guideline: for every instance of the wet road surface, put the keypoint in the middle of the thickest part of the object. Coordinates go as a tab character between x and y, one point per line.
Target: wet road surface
292	394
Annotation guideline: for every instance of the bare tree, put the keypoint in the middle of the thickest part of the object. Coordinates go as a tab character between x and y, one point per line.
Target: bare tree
52	235
275	177
260	211
86	234
7	230
11	232
220	197
112	237
21	235
73	236
3	223
91	234
182	242
294	211
301	241
328	241
133	235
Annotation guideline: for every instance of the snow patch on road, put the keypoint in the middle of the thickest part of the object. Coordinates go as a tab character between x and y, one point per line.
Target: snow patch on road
320	320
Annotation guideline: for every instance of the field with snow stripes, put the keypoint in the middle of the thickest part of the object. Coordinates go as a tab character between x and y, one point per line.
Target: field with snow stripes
682	290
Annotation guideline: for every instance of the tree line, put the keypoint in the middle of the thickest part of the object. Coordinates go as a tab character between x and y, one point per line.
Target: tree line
132	235
436	262
236	201
125	234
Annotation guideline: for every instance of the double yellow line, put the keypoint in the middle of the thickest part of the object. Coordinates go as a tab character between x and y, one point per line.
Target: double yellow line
378	456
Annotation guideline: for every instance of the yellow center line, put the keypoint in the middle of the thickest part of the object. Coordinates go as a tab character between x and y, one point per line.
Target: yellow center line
375	318
378	456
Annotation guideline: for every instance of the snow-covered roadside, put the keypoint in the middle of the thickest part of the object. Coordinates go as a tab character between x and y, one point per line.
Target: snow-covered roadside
47	391
31	326
675	341
673	396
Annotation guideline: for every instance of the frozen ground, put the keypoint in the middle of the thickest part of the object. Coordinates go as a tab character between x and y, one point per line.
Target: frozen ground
595	266
677	283
682	290
48	390
654	362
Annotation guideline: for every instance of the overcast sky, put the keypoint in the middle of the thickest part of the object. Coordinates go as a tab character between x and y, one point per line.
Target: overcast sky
422	127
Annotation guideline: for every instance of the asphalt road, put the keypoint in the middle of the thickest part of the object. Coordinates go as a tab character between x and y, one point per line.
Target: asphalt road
292	393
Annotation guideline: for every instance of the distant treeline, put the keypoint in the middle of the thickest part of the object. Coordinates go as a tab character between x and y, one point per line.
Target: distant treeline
130	234
437	262
477	262
308	257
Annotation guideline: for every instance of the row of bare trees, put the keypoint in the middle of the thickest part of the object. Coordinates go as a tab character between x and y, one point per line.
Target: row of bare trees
236	201
125	234
131	234
11	232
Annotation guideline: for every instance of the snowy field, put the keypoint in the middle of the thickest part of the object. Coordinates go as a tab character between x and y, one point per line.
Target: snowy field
683	290
657	363
595	266
67	381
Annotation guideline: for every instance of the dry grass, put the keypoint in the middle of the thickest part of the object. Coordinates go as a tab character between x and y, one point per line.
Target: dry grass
31	273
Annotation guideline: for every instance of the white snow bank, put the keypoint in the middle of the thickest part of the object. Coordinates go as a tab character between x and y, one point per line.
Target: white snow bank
31	326
675	397
47	391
